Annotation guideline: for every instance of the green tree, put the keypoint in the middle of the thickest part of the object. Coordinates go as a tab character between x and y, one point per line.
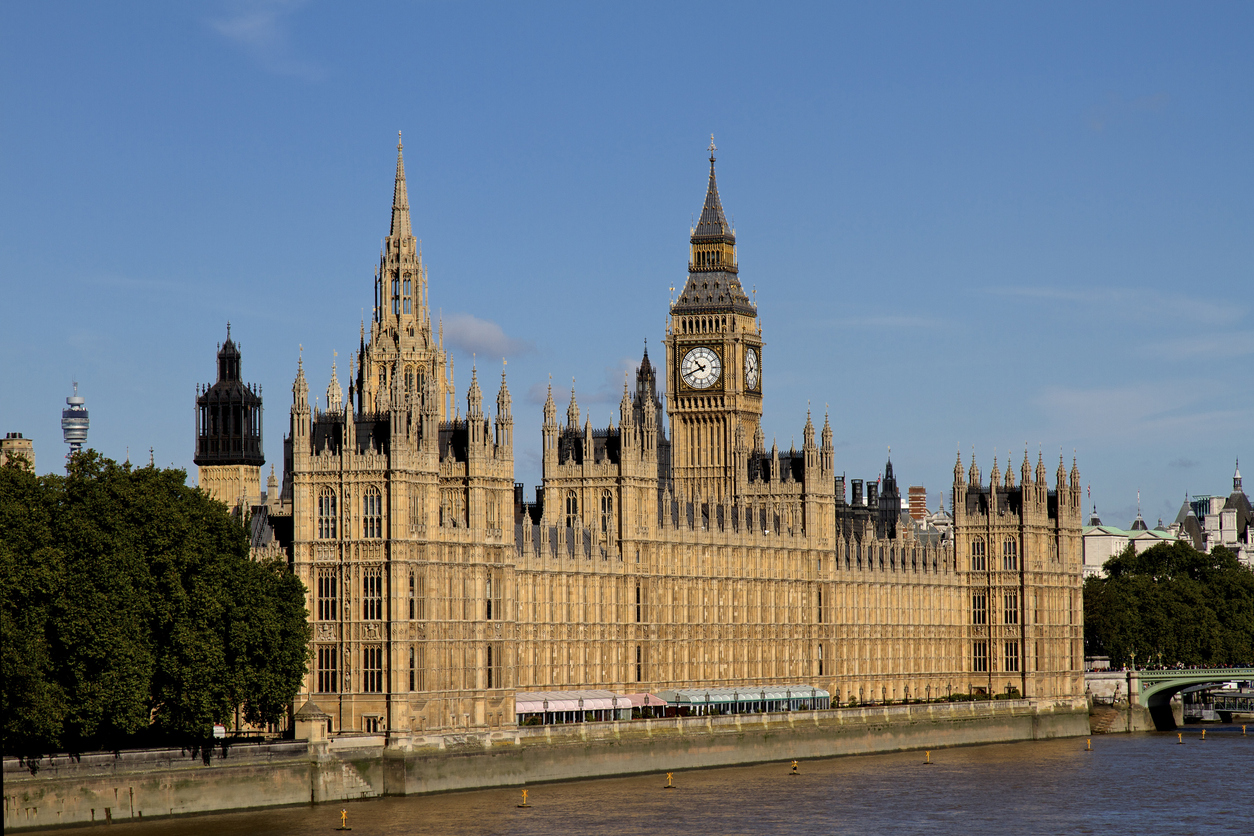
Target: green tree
1174	604
32	701
132	612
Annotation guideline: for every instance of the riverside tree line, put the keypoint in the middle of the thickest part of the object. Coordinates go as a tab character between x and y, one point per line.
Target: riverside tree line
1171	605
131	614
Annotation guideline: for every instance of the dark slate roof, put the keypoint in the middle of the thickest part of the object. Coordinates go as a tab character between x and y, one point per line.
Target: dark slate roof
713	292
713	225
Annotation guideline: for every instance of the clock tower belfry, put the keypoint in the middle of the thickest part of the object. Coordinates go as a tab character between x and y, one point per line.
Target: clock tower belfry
714	363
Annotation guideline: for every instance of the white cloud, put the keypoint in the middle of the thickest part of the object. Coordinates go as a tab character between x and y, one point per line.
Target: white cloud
1216	345
1133	303
1145	411
260	28
476	336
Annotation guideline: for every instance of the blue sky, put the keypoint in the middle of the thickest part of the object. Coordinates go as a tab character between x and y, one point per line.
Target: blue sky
975	224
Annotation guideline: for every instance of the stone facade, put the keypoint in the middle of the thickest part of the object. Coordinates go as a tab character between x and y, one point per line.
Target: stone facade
13	445
644	563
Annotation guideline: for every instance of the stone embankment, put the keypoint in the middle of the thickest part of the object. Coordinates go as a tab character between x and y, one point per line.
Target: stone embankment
1110	708
134	785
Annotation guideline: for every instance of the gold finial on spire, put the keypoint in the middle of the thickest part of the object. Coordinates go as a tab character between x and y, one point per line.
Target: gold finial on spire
713	147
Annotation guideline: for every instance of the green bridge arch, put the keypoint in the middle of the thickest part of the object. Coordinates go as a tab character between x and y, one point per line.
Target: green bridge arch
1154	689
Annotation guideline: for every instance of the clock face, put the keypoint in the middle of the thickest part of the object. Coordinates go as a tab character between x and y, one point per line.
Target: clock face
751	369
701	368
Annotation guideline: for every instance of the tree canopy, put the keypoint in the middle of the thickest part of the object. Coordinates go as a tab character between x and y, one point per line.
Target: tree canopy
131	612
1171	604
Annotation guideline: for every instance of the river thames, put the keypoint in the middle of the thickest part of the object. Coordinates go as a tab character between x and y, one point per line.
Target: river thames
1139	784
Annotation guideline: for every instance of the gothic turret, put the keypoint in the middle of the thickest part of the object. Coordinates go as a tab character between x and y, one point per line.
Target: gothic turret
229	451
228	415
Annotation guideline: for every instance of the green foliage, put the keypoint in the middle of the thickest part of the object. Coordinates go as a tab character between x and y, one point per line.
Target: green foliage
132	611
1171	604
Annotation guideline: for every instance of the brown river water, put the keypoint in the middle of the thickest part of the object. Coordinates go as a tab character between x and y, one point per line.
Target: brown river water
1129	784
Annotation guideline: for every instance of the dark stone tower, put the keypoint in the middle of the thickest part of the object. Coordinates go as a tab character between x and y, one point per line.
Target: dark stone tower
228	432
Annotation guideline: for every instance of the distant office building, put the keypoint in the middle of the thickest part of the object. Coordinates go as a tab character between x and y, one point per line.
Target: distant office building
74	423
1209	521
15	445
1102	542
917	498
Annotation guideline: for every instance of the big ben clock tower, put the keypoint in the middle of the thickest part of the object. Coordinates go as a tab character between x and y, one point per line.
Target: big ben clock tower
714	361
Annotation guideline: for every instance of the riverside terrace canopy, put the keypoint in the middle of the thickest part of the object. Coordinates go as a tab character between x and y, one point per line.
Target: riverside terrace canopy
748	699
573	706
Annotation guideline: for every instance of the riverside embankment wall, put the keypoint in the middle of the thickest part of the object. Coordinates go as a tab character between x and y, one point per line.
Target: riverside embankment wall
135	785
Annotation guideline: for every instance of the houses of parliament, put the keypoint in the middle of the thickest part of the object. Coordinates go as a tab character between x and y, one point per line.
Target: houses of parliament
669	550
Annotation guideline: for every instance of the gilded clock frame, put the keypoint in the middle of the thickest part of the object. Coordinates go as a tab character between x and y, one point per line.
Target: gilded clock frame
681	351
744	369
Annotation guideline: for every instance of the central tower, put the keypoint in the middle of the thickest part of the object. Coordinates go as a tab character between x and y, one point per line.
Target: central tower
404	356
714	363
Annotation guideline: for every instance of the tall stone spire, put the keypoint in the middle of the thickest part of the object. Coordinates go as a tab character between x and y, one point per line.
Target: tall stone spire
550	408
335	395
400	197
503	401
572	411
300	387
713	223
474	397
712	271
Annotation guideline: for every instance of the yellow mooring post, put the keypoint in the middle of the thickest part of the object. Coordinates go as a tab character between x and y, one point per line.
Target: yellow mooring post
669	785
1203	734
794	769
1243	731
524	801
1089	747
1179	738
343	821
927	762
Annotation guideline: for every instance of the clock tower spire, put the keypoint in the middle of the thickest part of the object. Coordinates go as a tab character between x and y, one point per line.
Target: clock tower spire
714	359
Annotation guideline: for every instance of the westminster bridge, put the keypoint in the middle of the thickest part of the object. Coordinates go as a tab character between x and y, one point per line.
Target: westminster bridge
1153	689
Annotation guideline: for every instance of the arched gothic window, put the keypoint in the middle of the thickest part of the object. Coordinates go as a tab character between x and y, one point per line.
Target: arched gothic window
1010	555
372	513
326	514
977	555
572	509
607	513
